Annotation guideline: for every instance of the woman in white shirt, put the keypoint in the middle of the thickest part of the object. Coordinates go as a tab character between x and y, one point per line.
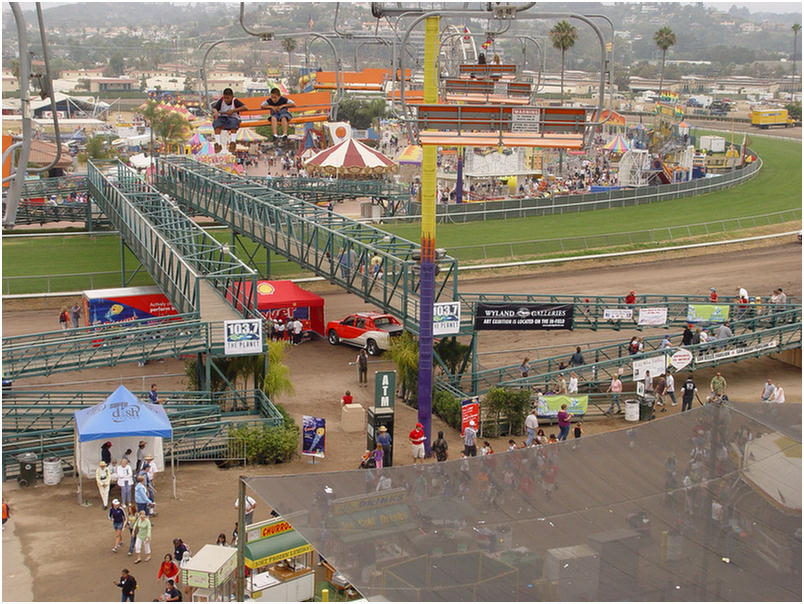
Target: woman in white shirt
778	395
573	383
125	478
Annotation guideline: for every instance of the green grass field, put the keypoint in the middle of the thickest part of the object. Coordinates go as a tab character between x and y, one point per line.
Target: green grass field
777	187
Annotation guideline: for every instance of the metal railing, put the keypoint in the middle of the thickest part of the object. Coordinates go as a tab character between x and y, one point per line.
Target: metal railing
330	245
68	282
563	204
317	190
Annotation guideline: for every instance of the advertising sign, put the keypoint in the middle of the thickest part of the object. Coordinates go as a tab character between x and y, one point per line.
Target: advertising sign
707	313
314	431
652	316
618	314
242	337
681	358
470	410
550	405
525	119
384	388
446	318
524	316
656	366
736	352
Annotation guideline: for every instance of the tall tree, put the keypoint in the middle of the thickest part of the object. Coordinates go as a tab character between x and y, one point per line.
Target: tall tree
796	28
563	36
289	45
664	38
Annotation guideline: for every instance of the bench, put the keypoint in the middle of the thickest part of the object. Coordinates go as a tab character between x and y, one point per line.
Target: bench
310	107
371	79
492	125
507	71
460	90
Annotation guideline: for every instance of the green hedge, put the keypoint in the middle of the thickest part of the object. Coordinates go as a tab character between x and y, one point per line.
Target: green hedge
268	444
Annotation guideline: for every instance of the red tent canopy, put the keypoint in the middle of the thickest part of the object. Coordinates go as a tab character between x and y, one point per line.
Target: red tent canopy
283	299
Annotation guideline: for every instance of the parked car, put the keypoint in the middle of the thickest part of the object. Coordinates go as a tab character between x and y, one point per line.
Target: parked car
372	330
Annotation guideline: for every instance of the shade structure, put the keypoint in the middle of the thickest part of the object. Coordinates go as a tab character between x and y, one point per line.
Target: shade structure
350	158
247	135
205	127
412	154
617	145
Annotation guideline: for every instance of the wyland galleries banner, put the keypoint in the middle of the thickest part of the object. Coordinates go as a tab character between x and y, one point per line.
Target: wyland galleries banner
523	316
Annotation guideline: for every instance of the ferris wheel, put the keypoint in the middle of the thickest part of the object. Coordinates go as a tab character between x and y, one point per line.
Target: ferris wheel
457	48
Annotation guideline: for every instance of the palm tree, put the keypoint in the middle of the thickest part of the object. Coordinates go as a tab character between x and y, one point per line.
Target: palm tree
289	45
664	38
796	28
563	36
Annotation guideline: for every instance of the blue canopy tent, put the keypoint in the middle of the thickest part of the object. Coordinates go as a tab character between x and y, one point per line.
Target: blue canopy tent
123	420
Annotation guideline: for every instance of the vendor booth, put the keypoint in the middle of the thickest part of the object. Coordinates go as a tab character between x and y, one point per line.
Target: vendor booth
280	562
285	299
210	573
123	420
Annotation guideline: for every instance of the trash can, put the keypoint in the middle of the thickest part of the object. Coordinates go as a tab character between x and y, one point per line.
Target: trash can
646	407
27	475
631	410
52	472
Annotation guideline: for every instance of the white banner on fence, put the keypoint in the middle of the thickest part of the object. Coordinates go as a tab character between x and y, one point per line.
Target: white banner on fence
656	366
618	314
652	316
681	358
243	336
736	352
446	318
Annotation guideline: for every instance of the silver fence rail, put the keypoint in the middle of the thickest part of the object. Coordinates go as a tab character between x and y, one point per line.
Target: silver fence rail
562	204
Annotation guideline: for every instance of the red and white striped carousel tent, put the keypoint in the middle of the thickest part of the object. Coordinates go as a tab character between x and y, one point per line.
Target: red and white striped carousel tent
350	158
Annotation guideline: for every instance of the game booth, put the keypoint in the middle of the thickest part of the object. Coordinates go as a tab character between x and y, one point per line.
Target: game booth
101	306
284	299
210	573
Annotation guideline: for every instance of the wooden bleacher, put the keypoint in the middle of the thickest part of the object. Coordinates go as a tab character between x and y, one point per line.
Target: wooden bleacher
493	125
310	107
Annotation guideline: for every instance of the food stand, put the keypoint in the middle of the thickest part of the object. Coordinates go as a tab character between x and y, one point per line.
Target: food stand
280	562
211	573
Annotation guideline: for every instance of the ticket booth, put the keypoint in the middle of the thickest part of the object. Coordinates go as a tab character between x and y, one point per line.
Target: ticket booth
210	573
280	562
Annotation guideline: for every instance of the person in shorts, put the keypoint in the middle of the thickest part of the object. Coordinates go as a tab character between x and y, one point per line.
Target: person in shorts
416	438
279	105
226	116
117	515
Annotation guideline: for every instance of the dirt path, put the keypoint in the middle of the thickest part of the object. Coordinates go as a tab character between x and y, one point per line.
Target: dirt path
48	519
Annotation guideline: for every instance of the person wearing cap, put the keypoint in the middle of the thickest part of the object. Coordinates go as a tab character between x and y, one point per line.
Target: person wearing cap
417	438
712	294
103	477
117	515
631	297
250	506
384	439
470	440
140	457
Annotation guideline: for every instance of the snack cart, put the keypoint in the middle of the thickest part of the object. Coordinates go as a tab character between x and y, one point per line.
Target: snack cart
280	563
211	574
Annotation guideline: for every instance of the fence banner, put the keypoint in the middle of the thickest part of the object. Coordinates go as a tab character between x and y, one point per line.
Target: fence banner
719	355
446	318
618	314
652	316
524	316
656	366
470	410
707	313
550	405
681	358
314	432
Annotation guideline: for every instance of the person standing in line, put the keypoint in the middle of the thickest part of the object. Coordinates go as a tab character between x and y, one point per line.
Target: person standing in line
141	495
564	418
64	319
377	455
117	515
689	391
128	584
384	439
768	390
362	367
417	438
670	387
531	425
140	457
440	447
103	478
142	528
153	395
470	440
75	315
615	387
297	332
125	479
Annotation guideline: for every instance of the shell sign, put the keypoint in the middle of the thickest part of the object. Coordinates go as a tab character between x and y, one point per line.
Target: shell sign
266	289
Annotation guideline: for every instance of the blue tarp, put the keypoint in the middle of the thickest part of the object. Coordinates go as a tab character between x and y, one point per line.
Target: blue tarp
122	414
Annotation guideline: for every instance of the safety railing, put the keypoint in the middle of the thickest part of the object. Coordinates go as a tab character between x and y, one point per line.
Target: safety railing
319	190
561	204
335	247
61	186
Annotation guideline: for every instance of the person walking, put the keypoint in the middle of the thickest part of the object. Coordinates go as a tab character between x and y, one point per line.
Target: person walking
103	478
531	425
125	479
169	569
417	438
470	440
524	368
117	515
142	529
564	421
717	386
561	384
362	367
440	447
64	319
572	388
180	548
615	387
153	395
75	315
686	337
778	394
576	360
141	495
688	392
127	584
251	505
768	391
140	456
670	387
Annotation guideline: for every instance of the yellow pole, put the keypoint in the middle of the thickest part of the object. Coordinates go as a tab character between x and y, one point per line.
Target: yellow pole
325	595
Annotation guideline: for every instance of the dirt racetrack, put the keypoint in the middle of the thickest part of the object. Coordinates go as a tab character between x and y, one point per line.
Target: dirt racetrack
54	549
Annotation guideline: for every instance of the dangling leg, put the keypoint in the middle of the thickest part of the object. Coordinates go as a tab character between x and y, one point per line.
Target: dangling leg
218	140
232	143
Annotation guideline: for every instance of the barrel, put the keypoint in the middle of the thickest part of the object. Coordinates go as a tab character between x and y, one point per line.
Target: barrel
631	410
52	472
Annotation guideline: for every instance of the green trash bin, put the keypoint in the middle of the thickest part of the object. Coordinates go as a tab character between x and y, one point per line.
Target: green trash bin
27	475
646	407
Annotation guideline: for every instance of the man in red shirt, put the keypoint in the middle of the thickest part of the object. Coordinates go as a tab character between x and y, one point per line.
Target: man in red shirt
631	297
712	294
416	438
347	398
